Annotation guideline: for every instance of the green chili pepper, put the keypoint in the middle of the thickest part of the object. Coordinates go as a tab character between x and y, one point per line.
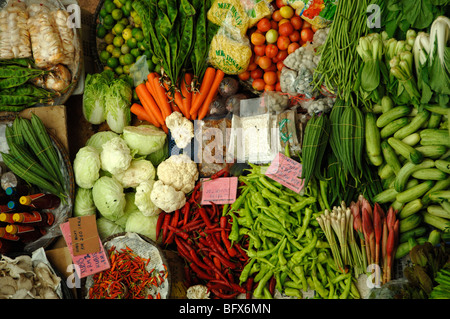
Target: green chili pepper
281	258
292	292
267	184
258	199
266	193
298	256
239	201
299	271
262	283
348	285
246	271
308	214
234	234
303	203
323	292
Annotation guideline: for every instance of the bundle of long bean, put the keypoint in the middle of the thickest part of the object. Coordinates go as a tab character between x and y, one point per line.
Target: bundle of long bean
339	65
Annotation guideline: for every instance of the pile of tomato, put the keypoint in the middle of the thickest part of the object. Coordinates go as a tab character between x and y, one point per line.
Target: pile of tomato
272	40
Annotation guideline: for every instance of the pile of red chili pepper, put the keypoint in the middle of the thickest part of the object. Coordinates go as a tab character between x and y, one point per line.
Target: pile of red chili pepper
200	234
128	277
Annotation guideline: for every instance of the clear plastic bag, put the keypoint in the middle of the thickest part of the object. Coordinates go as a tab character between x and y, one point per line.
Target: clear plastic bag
139	71
14	34
229	14
256	10
66	34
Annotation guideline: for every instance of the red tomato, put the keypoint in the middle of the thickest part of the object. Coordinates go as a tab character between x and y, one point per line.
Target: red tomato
297	22
278	87
282	21
264	25
307	34
272	67
264	62
280	3
271	50
274	25
276	15
283	42
252	66
270	77
269	87
280	65
275	59
294	36
306	24
258	84
285	29
314	28
257	38
244	76
282	55
292	47
278	76
256	74
260	50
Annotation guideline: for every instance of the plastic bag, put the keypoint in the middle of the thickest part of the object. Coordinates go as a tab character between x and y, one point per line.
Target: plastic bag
256	10
229	53
229	14
287	79
139	70
14	34
66	34
276	101
319	13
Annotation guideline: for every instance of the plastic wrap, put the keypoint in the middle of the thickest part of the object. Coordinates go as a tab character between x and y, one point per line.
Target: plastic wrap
229	14
14	35
66	35
256	10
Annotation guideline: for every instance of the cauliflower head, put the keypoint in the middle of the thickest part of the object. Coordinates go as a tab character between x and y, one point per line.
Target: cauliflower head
140	170
115	156
143	200
178	171
166	197
181	128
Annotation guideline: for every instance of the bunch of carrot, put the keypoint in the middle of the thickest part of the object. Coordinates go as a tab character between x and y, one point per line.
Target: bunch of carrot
158	102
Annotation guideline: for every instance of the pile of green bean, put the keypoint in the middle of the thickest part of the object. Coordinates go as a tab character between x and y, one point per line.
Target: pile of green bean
287	249
16	93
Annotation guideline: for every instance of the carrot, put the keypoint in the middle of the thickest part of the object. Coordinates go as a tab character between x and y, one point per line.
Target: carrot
174	107
149	103
208	79
211	94
186	93
165	128
161	94
179	103
143	115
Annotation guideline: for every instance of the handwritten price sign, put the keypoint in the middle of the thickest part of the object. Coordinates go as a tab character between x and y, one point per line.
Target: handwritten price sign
219	191
287	172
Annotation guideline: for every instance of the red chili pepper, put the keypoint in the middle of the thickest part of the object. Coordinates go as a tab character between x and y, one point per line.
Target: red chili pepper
159	223
200	273
224	296
216	262
166	222
238	288
186	210
217	247
205	218
249	287
272	283
197	260
214	268
243	254
231	251
178	232
223	260
220	173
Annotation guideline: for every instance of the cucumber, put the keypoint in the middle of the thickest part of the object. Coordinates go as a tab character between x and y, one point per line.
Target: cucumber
438	210
440	195
386	104
386	196
397	206
403	248
432	151
430	174
414	192
405	150
440	185
412	139
434	237
393	114
434	137
415	232
435	221
386	171
415	124
410	222
434	121
393	127
373	140
407	170
443	166
410	208
390	157
437	109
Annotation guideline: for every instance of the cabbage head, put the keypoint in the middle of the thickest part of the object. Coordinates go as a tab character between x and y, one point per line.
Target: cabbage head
95	90
106	228
143	201
86	166
118	102
84	203
100	138
140	170
144	139
116	156
143	225
109	198
130	208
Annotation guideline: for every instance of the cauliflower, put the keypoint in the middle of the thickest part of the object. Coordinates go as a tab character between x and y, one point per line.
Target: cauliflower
140	170
115	156
197	292
166	197
181	128
178	171
143	201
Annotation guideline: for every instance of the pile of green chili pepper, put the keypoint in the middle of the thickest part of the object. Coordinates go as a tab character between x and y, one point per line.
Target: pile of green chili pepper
16	93
286	247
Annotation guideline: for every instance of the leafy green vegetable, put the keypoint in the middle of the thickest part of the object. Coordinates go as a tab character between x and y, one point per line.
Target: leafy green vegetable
95	90
84	203
100	138
118	102
144	139
109	198
86	166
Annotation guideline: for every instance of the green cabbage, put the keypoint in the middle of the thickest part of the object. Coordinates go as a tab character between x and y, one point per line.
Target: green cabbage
160	155
143	201
86	166
140	170
118	102
84	203
95	90
144	139
100	138
144	225
109	197
130	208
106	228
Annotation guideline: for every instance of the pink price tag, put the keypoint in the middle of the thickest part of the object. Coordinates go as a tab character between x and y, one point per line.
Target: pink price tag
287	172
87	264
219	191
